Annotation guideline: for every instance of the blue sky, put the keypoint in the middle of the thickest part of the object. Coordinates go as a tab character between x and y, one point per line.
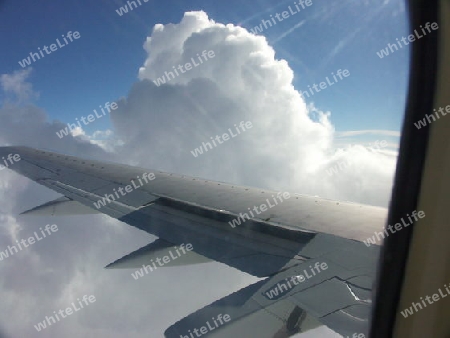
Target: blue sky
102	65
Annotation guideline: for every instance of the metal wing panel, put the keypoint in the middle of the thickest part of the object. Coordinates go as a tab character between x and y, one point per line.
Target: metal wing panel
347	220
61	206
259	254
183	209
280	242
154	250
297	299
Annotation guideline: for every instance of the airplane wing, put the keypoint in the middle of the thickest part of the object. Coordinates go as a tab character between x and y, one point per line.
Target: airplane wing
286	239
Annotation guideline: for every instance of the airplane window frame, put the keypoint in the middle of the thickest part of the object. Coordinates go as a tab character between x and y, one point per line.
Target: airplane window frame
410	166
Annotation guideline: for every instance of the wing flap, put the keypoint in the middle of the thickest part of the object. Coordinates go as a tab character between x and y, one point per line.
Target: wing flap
158	249
325	289
60	207
238	315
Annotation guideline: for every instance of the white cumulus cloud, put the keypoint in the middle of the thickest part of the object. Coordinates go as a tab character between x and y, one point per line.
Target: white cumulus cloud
290	146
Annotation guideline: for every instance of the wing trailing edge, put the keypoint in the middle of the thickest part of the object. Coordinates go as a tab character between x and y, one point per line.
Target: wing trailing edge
178	255
62	206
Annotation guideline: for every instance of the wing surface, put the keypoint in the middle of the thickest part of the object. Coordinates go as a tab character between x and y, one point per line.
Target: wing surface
221	223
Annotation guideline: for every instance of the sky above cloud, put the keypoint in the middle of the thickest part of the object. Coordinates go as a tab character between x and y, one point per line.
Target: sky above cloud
294	145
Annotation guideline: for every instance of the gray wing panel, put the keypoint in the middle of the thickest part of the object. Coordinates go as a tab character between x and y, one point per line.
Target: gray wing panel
183	209
298	299
280	242
346	220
